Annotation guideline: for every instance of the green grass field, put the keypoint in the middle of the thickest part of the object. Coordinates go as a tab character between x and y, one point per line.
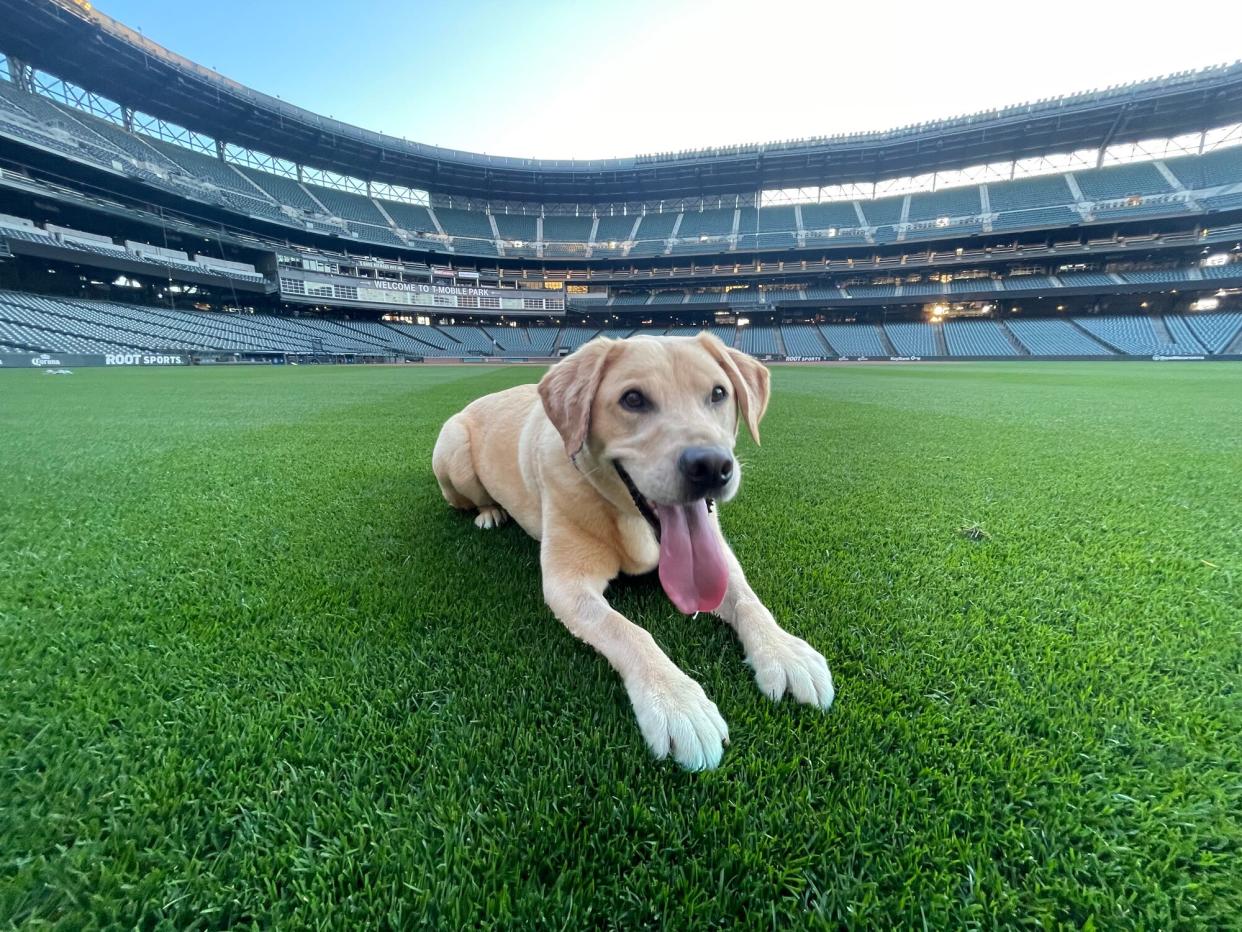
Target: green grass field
255	672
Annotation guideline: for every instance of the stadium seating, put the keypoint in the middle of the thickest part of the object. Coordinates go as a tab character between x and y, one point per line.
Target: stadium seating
826	291
1085	279
203	166
558	229
121	139
767	228
1162	206
1134	336
1182	335
409	216
35	322
1029	193
464	223
436	343
517	227
706	223
980	337
911	338
470	339
853	339
803	340
820	220
285	190
348	206
973	285
885	210
374	234
542	339
759	340
1214	331
861	291
1036	218
573	337
612	233
954	202
1117	181
727	335
653	233
1210	170
1054	337
1026	283
1155	276
1230	270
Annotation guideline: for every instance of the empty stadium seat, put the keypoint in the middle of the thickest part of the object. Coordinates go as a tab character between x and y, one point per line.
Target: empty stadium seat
977	338
853	339
803	340
1054	337
1117	181
1132	335
912	338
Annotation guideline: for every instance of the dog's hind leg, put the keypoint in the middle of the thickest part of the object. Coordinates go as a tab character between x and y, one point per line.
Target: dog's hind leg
453	464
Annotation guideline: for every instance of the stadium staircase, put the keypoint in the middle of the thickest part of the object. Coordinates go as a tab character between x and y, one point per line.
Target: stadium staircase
1108	347
307	192
672	237
886	342
435	220
1013	340
387	216
1162	331
942	348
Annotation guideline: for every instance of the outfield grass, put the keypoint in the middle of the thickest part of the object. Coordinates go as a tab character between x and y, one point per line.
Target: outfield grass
255	670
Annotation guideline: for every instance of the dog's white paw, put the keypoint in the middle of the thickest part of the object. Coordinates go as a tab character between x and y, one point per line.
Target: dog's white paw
789	664
490	516
677	719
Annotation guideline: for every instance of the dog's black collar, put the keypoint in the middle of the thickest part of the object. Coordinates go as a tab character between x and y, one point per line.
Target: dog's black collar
640	502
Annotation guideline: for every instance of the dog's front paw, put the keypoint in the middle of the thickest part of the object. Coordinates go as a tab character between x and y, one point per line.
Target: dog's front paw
677	718
790	664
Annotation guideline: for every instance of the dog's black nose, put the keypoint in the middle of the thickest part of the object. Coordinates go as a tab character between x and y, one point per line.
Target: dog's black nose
707	469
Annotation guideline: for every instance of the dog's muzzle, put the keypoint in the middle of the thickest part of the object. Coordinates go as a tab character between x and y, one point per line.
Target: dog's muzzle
640	501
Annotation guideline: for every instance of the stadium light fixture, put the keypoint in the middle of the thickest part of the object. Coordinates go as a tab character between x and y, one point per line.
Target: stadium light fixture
1217	258
1205	304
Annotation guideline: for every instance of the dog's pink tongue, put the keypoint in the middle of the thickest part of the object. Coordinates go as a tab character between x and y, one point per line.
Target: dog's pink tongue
692	561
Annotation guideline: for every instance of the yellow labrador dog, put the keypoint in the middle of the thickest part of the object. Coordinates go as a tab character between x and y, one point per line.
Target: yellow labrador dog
614	463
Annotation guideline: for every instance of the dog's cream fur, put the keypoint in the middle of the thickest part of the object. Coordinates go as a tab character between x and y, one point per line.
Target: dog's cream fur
543	455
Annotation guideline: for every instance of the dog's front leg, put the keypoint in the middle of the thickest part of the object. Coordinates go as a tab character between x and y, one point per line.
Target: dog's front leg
673	712
782	662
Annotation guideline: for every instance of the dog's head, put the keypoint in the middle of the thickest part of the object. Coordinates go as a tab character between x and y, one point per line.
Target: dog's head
664	409
658	417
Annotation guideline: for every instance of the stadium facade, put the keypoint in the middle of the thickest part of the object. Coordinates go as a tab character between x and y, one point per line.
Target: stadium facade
153	211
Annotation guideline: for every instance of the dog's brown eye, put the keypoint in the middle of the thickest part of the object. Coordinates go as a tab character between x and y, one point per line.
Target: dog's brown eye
719	394
634	400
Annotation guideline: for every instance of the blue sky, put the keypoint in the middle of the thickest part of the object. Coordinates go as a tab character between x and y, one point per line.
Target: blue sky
558	79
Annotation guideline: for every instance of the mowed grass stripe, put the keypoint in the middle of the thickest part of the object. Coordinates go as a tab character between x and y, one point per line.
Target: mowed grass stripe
256	670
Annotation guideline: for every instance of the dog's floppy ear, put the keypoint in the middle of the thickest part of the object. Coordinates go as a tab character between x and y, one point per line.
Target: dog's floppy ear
568	391
752	383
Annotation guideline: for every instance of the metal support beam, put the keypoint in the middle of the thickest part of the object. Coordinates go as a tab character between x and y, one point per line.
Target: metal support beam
1118	122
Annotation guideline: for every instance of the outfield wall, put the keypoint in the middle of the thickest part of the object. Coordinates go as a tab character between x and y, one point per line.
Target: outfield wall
65	360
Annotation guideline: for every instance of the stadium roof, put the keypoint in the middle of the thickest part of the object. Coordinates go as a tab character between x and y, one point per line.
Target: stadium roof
69	39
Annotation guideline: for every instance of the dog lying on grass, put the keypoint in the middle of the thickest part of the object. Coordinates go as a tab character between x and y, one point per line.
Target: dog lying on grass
614	463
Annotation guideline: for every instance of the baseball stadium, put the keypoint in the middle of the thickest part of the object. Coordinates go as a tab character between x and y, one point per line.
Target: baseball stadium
258	674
